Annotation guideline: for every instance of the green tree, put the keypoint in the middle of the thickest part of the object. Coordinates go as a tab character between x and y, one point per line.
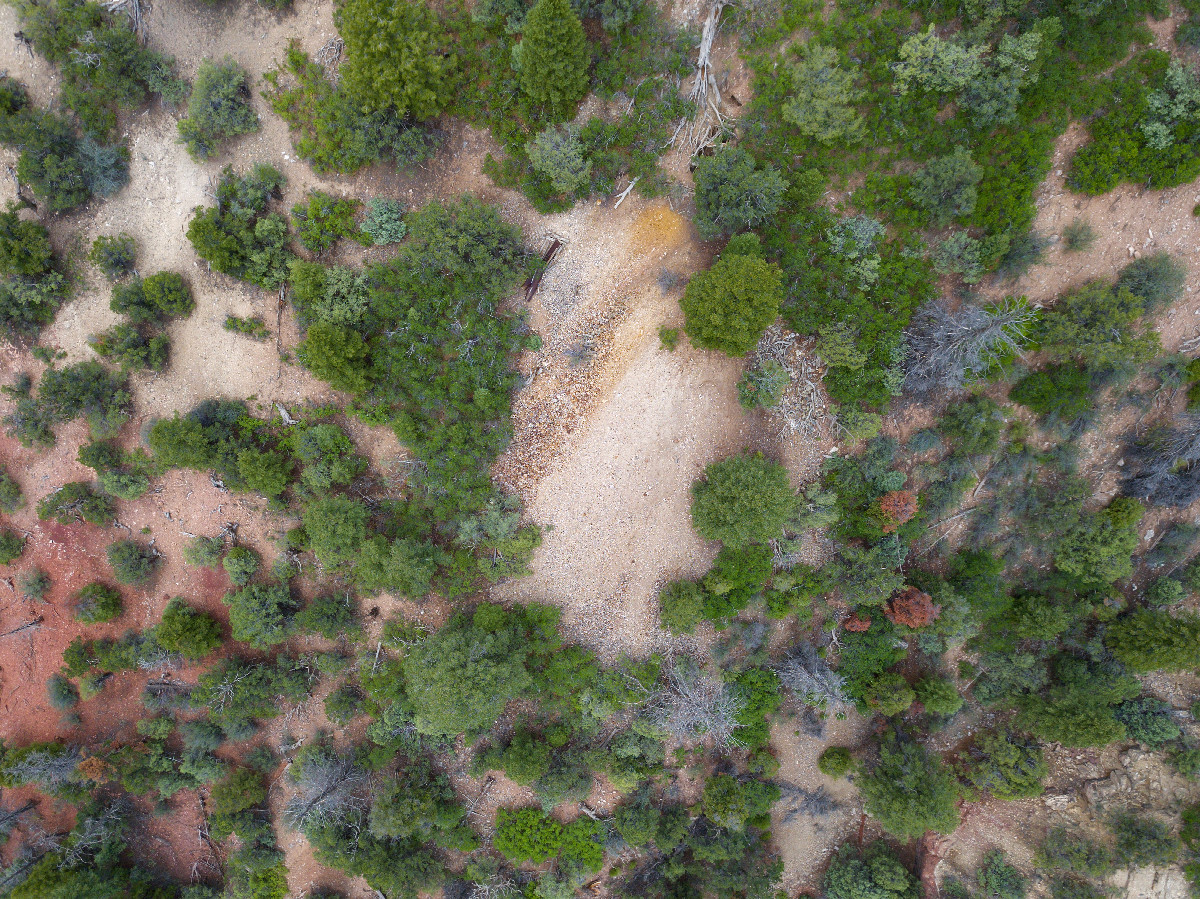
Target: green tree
1000	880
946	187
888	694
337	355
557	153
261	614
823	97
181	443
835	761
729	306
527	834
76	501
12	545
184	630
733	803
1157	280
910	790
402	565
1005	764
553	60
1148	641
24	245
1098	551
336	528
267	472
872	874
526	759
938	695
1079	708
1096	325
1143	841
397	57
115	256
742	500
681	605
460	679
62	693
97	603
240	564
219	108
732	194
937	65
131	562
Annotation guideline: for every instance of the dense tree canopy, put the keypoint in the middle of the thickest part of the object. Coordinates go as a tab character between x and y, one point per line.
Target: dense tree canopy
729	306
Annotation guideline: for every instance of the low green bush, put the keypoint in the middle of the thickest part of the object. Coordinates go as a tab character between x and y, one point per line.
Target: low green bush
63	694
12	545
218	109
34	584
132	563
114	255
77	501
835	761
323	219
384	221
184	630
254	328
96	603
130	349
239	236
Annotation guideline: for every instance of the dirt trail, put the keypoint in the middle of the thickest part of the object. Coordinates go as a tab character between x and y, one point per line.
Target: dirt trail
611	484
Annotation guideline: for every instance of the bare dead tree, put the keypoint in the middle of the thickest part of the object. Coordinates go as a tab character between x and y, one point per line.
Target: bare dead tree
811	680
496	887
326	788
90	835
227	689
946	348
10	817
1164	469
802	410
796	802
156	658
695	706
15	874
708	34
49	768
133	9
330	54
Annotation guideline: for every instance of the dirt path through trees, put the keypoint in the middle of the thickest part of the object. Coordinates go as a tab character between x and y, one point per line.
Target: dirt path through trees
611	484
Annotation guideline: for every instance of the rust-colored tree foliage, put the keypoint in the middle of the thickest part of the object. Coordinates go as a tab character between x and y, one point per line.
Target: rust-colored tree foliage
897	507
912	608
856	625
94	768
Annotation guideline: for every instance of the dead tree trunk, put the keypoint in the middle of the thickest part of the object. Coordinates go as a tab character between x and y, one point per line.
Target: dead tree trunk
929	855
37	622
704	58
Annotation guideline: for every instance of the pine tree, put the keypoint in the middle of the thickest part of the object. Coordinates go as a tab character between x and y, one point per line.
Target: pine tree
553	60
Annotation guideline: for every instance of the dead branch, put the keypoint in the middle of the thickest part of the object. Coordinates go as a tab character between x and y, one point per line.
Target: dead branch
37	622
704	57
625	192
330	53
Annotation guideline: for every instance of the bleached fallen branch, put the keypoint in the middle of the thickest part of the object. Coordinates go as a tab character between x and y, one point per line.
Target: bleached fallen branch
625	192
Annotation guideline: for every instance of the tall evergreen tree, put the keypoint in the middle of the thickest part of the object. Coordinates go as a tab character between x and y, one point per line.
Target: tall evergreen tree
553	60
